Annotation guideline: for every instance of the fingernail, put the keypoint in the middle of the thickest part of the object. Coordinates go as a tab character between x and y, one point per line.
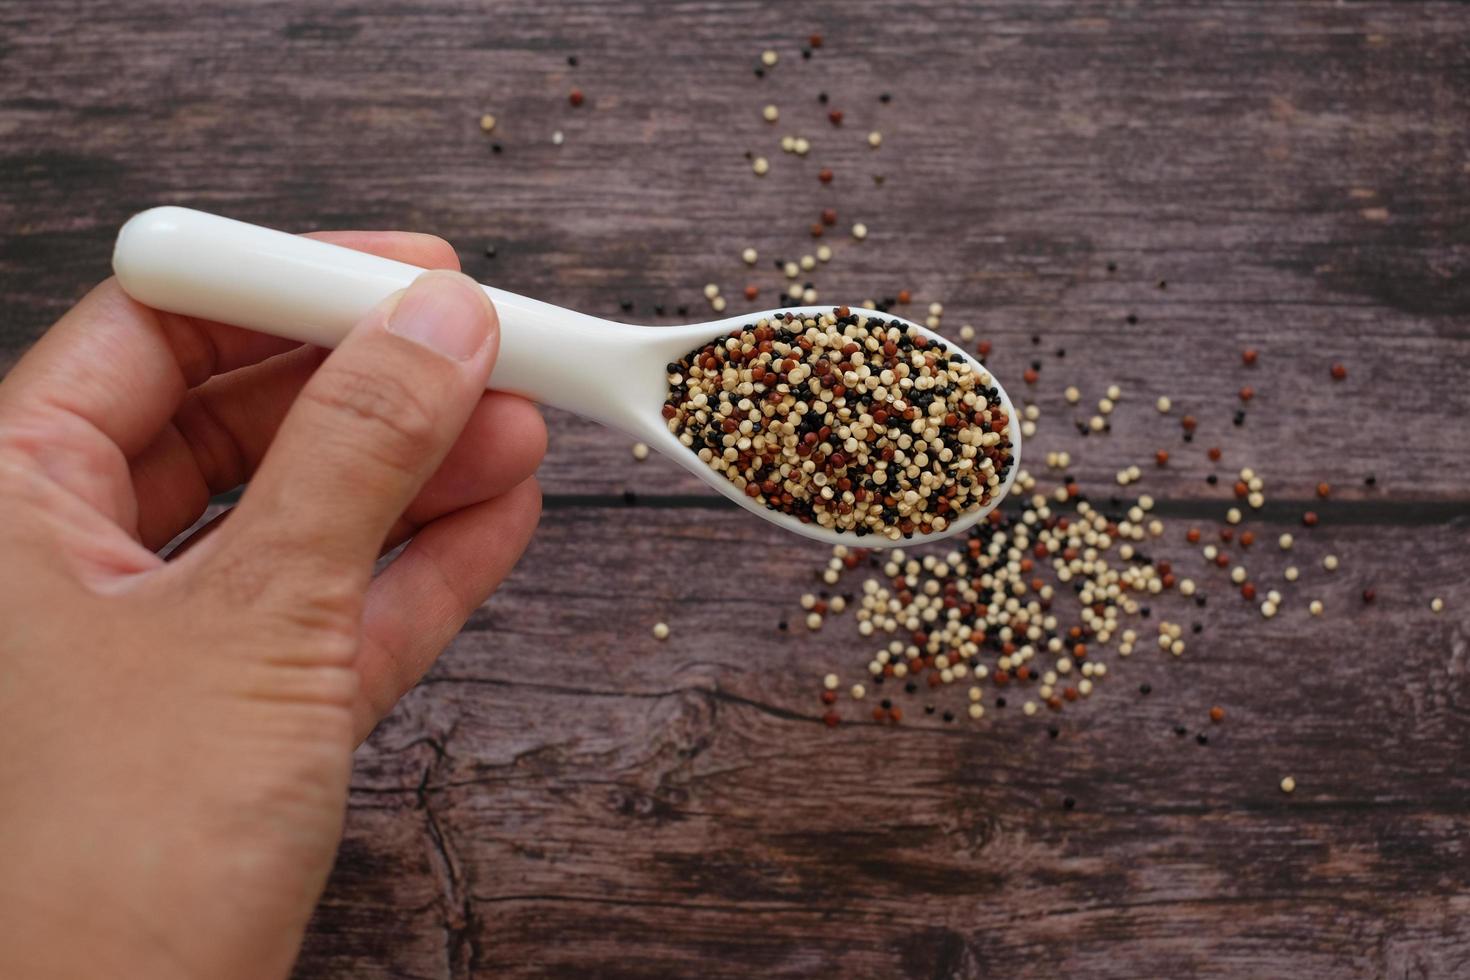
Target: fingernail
444	312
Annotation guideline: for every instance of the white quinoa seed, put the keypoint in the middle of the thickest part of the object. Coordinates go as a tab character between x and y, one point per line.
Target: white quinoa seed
749	256
1285	541
919	460
936	309
711	290
640	451
770	113
1163	404
718	304
1288	784
1114	392
831	681
1436	605
875	139
813	620
824	253
487	123
860	231
1291	573
967	333
858	692
802	146
769	58
660	631
761	166
1315	607
977	711
1232	516
808	262
1329	562
1072	395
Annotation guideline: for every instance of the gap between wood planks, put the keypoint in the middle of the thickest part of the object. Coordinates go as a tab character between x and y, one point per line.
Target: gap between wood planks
1403	513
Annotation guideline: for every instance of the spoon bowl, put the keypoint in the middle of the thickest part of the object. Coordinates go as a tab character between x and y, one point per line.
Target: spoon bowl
203	265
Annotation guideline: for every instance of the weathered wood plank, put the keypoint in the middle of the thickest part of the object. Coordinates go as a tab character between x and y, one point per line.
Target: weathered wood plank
620	806
568	797
1294	173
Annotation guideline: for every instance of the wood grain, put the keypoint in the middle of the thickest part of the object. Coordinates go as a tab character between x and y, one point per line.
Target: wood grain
567	797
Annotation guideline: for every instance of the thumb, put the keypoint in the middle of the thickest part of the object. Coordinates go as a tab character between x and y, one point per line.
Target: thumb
373	424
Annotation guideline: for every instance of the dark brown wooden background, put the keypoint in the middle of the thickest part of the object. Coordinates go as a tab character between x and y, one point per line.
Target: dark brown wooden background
567	797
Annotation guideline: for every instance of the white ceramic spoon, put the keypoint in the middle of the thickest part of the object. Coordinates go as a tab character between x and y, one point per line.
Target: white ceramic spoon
203	265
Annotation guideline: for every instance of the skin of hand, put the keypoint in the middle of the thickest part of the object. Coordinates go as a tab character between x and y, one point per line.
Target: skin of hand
176	735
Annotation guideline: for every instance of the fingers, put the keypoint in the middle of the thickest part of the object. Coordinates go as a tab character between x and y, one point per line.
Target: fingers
223	429
220	429
418	604
215	441
123	367
104	380
500	448
372	424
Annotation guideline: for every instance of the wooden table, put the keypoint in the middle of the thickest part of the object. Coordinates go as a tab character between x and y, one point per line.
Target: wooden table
1150	186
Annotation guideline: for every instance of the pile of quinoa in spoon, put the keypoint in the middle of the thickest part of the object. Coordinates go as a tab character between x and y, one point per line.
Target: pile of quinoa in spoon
846	420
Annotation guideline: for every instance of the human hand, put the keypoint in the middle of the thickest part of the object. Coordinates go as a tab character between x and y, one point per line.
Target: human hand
176	736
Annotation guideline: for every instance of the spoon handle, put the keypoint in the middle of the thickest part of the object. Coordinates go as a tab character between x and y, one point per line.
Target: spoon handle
203	265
